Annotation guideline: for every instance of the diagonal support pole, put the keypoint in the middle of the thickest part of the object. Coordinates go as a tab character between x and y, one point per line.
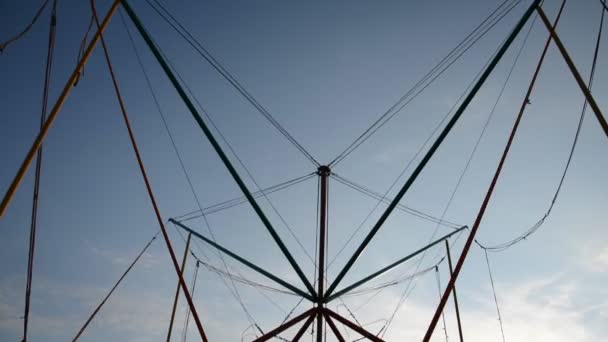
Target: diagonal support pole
303	328
574	71
435	145
333	327
353	326
54	111
274	332
391	266
244	261
216	146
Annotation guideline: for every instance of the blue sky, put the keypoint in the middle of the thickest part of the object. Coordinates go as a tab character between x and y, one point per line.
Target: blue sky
326	71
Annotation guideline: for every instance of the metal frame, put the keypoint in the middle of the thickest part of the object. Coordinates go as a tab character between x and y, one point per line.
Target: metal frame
321	297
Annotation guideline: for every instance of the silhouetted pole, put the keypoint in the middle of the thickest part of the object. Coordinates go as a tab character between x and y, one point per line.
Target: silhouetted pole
447	248
324	174
178	285
8	196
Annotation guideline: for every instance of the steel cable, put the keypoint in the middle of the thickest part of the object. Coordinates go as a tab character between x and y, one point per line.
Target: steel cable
170	19
429	78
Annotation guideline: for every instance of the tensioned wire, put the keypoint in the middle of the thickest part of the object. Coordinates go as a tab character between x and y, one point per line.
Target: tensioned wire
484	27
184	33
214	208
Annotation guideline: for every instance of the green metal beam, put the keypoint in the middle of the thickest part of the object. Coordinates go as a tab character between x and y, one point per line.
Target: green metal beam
389	267
197	117
245	262
434	147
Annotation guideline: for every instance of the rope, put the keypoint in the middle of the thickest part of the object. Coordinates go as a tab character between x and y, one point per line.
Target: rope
390	283
203	52
147	182
105	299
350	313
34	217
233	290
445	328
445	63
212	209
505	245
81	50
377	196
27	28
192	288
239	278
494	293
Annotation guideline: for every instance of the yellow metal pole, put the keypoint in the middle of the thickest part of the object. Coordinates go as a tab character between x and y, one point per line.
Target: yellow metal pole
47	125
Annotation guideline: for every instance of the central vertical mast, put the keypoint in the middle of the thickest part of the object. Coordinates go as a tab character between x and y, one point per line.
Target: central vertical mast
323	172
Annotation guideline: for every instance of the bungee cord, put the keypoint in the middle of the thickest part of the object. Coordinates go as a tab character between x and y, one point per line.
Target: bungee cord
538	224
27	28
